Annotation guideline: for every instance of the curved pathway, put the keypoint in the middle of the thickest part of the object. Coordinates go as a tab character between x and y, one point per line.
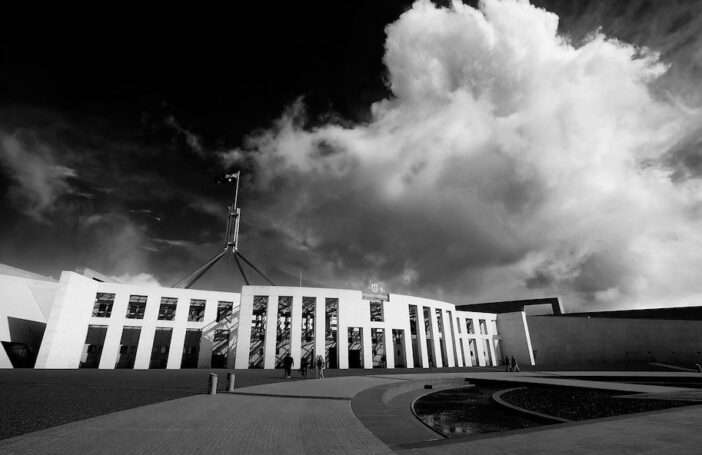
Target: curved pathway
316	416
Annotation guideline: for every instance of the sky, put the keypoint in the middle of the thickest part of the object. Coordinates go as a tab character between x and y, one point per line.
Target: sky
471	152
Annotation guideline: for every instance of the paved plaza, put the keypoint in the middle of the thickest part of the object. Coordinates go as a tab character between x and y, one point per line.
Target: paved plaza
367	414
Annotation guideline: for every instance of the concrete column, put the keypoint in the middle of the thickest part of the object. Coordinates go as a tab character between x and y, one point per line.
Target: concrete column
271	332
110	349
175	352
146	343
67	323
296	329
448	339
389	348
434	325
342	334
367	348
319	326
456	340
421	339
234	334
243	344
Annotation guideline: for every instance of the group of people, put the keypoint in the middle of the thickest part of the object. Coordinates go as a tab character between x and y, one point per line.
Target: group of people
511	364
319	364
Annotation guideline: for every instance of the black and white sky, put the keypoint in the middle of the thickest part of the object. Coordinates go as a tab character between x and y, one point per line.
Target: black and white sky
468	152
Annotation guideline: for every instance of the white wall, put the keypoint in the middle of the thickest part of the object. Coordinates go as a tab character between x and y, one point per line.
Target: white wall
73	299
71	316
27	300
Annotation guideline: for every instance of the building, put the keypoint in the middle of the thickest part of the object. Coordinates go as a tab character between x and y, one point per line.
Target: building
84	321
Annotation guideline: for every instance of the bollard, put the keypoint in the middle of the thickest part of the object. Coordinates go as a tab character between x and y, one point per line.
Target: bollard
212	385
230	382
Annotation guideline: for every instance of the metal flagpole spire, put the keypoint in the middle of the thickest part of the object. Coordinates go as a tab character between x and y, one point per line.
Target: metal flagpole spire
231	241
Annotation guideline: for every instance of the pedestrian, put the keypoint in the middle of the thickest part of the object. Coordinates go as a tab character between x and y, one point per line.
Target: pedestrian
508	366
319	364
514	366
288	363
304	365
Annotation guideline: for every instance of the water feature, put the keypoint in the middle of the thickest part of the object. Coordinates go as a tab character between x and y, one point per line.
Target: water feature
468	410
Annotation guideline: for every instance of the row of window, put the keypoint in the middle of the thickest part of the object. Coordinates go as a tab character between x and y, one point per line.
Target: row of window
160	349
166	311
469	326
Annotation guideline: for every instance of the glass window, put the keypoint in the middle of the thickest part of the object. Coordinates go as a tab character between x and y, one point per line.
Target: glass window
197	311
103	305
376	311
136	307
224	311
458	324
166	312
483	326
469	326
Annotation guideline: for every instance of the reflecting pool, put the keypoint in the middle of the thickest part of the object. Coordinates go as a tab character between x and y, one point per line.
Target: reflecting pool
468	410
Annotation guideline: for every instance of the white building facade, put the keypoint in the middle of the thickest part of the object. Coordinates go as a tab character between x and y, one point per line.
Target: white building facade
94	324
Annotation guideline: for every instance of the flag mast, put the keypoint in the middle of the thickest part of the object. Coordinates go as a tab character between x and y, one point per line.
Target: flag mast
231	241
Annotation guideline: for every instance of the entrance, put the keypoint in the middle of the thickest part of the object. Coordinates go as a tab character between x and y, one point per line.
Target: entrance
355	338
128	347
378	340
398	348
92	350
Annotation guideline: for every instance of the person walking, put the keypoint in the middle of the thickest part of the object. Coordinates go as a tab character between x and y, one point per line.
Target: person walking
288	363
304	365
514	366
508	364
319	364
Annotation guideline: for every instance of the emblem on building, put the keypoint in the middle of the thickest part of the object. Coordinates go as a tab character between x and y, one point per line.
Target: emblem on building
375	291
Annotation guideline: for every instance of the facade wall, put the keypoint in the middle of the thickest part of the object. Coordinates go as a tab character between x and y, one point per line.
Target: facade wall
572	341
72	315
24	306
515	337
354	312
481	346
80	334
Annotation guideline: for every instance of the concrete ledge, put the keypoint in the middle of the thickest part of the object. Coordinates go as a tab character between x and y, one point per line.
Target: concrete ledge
394	390
387	412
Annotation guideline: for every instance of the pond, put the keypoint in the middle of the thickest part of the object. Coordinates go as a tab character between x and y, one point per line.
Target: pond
468	410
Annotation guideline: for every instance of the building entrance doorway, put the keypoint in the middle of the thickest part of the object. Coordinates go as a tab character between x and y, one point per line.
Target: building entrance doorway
355	338
398	348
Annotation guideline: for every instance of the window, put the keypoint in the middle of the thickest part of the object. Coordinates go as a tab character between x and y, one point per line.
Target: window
376	311
161	347
458	324
483	326
224	311
136	307
197	311
166	312
103	305
469	326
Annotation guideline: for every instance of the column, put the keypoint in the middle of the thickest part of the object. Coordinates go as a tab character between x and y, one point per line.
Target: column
271	332
296	329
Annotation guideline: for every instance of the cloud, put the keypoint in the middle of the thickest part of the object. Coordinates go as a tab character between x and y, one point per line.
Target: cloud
141	279
38	180
508	163
191	140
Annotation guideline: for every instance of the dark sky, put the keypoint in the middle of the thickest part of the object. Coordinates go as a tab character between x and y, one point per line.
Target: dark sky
113	123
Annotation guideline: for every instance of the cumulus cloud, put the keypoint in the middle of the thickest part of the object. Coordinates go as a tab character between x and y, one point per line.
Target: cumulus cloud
141	279
508	163
38	179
